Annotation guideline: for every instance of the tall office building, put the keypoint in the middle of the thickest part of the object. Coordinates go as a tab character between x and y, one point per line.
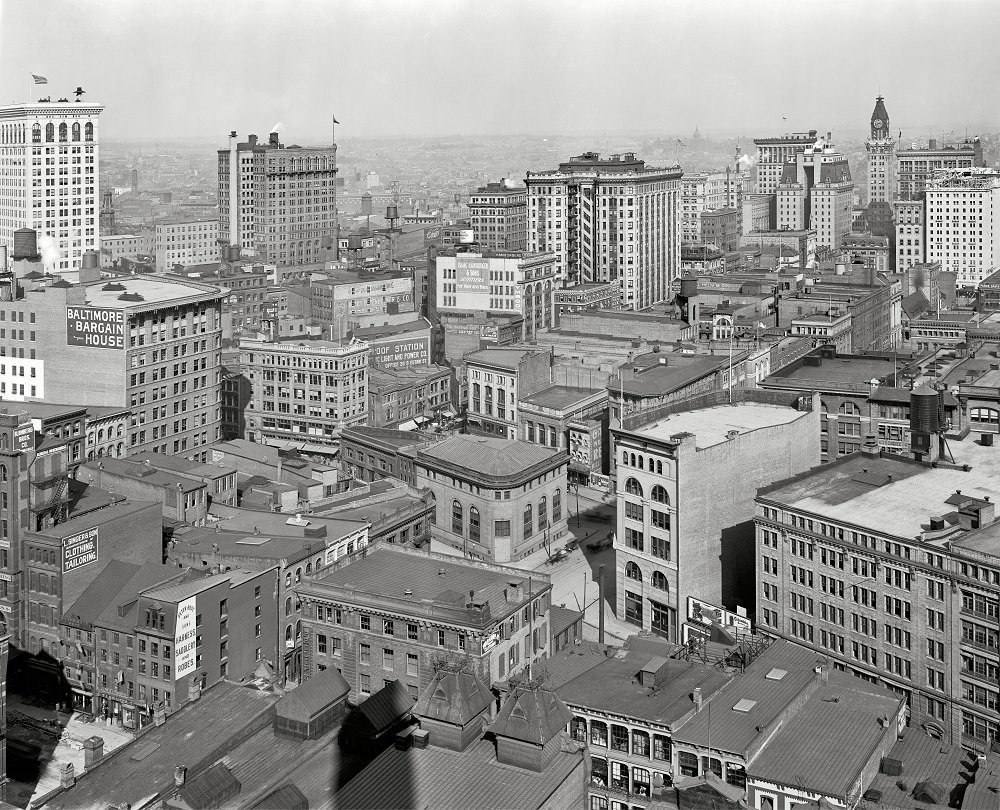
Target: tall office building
815	191
774	153
499	216
917	164
701	191
278	204
881	150
49	178
963	223
607	220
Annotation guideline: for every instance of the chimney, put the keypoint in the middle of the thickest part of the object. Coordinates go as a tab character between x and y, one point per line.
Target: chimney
90	267
93	751
67	777
180	775
272	140
870	445
696	697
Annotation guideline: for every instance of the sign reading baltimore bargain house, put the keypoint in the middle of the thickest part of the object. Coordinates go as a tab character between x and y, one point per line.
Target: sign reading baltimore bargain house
99	327
79	549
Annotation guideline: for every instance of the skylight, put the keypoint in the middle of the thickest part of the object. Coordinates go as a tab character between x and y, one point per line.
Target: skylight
744	705
776	674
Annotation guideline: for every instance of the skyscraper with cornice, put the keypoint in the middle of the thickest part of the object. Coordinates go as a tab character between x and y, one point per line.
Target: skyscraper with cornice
881	148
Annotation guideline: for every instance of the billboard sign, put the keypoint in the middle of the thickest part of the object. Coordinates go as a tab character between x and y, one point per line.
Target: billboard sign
705	614
79	549
185	637
491	641
402	352
472	275
100	327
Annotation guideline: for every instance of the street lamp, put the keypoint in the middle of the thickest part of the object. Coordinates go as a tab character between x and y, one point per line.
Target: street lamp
576	491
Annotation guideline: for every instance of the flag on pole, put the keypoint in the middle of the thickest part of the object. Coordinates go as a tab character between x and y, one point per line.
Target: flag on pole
335	120
39	79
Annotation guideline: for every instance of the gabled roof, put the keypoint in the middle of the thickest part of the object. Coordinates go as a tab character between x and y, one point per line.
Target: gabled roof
454	697
915	304
531	714
286	797
310	698
387	706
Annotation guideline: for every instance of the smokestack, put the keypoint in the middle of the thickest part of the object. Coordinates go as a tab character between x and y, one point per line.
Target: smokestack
272	140
90	268
600	605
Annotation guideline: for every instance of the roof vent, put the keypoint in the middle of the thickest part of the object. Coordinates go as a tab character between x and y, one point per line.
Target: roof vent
744	705
408	592
441	572
776	674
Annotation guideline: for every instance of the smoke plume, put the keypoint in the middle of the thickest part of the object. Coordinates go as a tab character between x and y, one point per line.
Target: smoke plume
49	250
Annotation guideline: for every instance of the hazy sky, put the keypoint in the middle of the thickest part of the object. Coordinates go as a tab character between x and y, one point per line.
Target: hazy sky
199	68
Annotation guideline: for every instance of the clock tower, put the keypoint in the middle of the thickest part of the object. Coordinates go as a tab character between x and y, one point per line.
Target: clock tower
881	157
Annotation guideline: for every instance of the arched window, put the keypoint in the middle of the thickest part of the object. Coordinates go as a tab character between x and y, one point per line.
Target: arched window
527	521
50	133
849	409
625	459
659	468
473	524
631	459
100	435
298	629
659	495
288	580
319	563
88	131
36	133
3	472
633	487
63	132
309	568
660	581
543	513
288	606
632	571
456	517
985	416
298	574
556	506
76	131
288	635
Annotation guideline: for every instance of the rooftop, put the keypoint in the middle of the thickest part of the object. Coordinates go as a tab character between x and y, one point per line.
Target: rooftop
753	700
613	686
205	541
815	370
500	358
139	292
658	374
389	330
420	582
145	768
490	457
561	396
453	780
147	473
890	494
94	518
715	425
850	711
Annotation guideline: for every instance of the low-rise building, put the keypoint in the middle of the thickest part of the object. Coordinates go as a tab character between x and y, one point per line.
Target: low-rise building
183	499
572	419
185	242
219	479
372	454
497	380
408	397
393	613
586	296
497	499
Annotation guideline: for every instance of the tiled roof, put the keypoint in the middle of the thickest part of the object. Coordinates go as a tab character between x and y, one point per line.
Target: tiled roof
313	696
493	458
534	715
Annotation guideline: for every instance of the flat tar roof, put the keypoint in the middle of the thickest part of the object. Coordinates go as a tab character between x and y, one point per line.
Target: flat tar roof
711	426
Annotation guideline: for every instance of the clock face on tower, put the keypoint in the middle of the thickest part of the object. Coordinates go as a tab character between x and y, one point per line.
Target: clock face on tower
877	123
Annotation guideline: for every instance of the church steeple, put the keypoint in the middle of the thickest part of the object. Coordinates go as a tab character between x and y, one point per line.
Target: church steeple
880	121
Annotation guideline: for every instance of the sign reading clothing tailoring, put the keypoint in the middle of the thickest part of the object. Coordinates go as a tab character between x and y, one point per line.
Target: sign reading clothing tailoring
79	549
185	636
99	327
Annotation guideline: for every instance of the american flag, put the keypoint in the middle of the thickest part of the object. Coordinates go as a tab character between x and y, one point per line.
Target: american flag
39	79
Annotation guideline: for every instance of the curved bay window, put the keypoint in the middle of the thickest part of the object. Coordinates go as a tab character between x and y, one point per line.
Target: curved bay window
473	524
456	517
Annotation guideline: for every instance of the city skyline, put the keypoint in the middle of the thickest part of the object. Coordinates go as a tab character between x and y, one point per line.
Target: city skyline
452	68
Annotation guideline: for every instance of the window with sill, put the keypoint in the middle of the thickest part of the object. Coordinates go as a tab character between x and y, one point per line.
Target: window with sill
599	735
633	608
619	776
619	738
687	763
